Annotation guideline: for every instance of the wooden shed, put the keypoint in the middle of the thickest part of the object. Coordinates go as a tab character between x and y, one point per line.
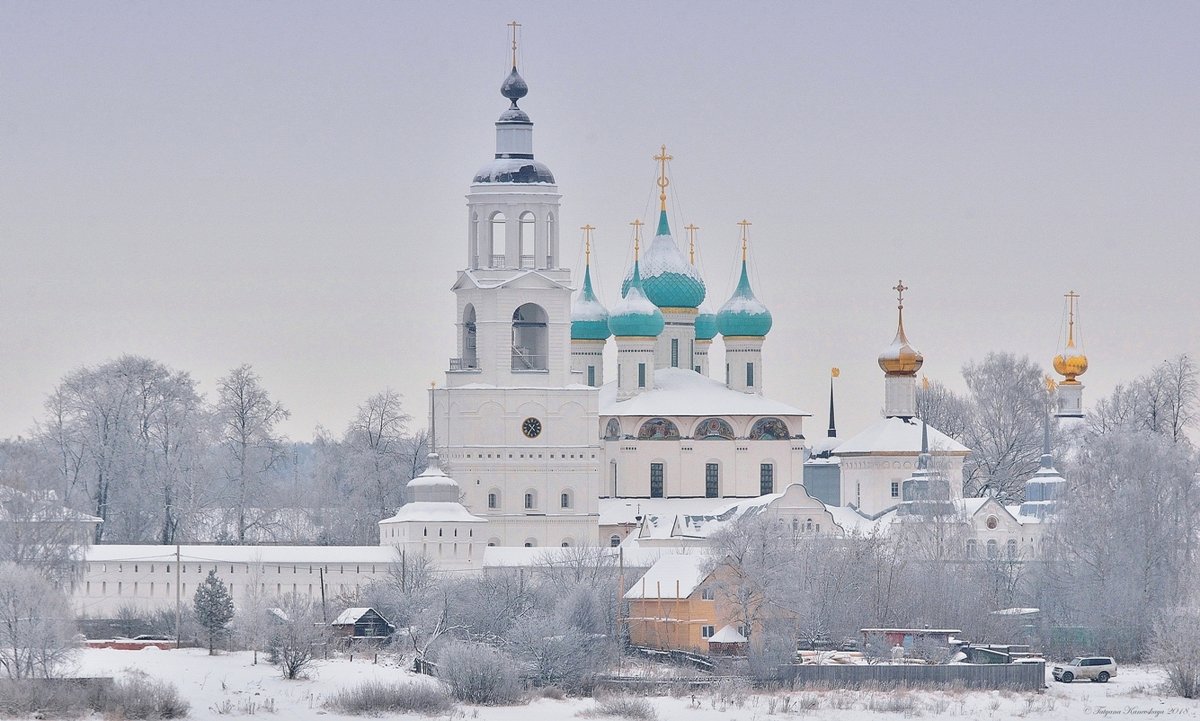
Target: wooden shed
364	623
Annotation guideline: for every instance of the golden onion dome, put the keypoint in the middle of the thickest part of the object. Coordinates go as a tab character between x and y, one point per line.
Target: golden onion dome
1070	366
900	358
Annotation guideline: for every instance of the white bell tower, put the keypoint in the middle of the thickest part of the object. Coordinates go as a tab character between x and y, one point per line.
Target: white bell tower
514	424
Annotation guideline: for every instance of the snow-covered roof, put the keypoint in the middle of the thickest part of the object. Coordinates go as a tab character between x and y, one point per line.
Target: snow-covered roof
728	634
112	553
704	525
896	435
675	576
617	511
496	557
434	512
350	616
851	520
683	392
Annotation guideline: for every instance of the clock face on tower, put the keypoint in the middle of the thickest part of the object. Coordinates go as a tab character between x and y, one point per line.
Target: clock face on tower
531	427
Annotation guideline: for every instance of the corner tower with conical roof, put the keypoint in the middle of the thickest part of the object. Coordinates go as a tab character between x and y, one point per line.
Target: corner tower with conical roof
514	423
671	283
900	363
589	323
1070	363
744	323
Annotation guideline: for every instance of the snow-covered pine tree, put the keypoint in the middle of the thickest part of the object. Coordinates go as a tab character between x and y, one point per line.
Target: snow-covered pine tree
214	608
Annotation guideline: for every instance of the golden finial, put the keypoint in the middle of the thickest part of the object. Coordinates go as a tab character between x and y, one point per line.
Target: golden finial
514	25
637	236
432	384
587	243
1071	298
835	372
663	182
691	229
745	236
900	287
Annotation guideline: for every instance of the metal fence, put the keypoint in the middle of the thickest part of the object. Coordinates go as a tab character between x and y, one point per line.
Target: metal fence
1016	676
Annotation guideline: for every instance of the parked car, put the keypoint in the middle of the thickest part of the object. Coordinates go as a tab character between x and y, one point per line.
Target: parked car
1095	668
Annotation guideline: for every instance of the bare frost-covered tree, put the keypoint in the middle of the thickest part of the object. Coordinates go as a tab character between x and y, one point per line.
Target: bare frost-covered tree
247	418
36	627
1164	402
298	637
378	457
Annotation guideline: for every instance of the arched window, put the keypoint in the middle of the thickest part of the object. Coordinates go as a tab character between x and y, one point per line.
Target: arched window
470	358
658	429
972	550
493	541
614	540
566	543
497	230
993	550
713	428
612	430
530	338
1010	549
565	499
493	499
526	225
531	543
550	241
474	240
530	500
769	429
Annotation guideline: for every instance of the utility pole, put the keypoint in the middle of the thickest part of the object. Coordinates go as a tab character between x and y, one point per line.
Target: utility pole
178	597
324	612
403	573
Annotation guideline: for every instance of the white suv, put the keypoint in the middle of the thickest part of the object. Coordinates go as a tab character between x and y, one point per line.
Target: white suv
1096	668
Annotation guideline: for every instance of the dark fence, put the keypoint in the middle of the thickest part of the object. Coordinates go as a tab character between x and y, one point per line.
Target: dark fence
1016	676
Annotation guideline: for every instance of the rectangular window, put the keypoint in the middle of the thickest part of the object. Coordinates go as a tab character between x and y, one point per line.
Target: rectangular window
766	479
712	481
895	489
707	594
592	376
674	352
493	502
656	480
697	369
749	375
641	375
726	374
707	631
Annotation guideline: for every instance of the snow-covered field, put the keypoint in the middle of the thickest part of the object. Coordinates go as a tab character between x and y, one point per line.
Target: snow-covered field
229	685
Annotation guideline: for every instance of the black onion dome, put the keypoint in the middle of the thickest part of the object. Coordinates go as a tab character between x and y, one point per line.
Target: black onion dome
514	87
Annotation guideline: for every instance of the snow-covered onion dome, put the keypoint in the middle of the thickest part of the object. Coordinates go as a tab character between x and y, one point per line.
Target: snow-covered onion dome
743	314
635	315
900	358
433	485
589	319
514	161
1072	362
706	323
669	280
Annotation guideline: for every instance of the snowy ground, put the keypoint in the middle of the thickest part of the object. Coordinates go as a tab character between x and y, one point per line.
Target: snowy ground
229	685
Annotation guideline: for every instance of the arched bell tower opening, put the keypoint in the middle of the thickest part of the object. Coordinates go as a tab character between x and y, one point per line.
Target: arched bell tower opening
525	232
498	239
530	338
470	354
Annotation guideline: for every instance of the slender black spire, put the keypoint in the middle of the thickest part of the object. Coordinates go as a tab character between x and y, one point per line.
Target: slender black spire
832	432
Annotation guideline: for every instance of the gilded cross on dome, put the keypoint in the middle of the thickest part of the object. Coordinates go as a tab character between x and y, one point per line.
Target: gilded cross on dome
514	25
637	236
691	229
587	242
745	235
900	287
663	182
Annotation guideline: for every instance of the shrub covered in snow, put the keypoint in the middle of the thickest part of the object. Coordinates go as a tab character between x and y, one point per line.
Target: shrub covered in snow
626	707
142	697
378	697
1176	645
479	674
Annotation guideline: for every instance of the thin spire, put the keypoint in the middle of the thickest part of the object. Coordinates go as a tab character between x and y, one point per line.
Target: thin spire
514	25
923	459
691	229
900	287
833	373
1047	458
1071	298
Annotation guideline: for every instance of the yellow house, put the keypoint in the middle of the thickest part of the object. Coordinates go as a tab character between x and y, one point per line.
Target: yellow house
675	606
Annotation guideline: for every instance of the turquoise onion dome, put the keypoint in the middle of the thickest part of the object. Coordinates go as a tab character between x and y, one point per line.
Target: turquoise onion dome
635	315
589	319
706	323
743	314
669	280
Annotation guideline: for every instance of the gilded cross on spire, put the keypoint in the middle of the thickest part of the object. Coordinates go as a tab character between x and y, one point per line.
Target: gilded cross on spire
637	236
587	243
663	182
900	287
514	25
745	236
691	229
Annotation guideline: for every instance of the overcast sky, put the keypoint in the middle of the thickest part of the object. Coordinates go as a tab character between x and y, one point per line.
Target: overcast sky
282	184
